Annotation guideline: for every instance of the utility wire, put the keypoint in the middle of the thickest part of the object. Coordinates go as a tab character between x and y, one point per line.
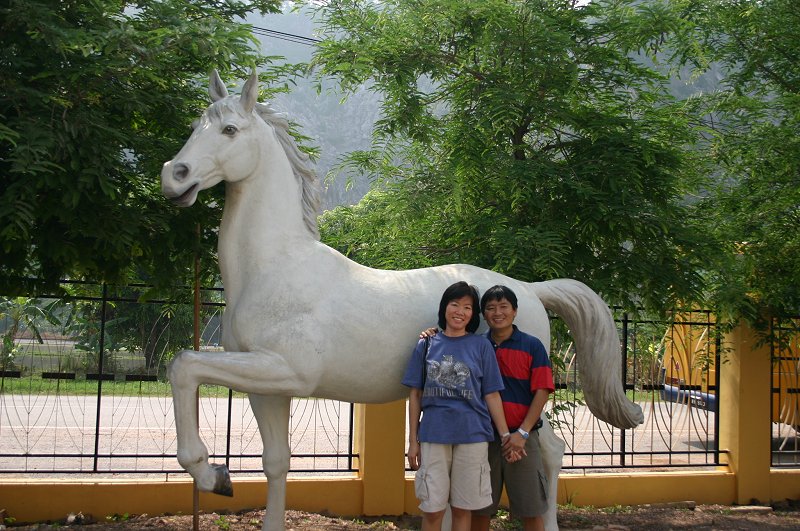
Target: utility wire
309	41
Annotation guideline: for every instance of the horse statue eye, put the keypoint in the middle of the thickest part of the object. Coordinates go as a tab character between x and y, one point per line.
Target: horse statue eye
229	130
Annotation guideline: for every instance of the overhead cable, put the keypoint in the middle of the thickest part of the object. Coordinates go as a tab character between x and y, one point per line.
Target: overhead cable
309	41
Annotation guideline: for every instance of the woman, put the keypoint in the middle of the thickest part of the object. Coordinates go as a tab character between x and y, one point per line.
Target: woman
455	384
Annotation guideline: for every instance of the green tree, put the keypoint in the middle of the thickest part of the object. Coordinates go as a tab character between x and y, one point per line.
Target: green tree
96	96
522	136
157	330
754	122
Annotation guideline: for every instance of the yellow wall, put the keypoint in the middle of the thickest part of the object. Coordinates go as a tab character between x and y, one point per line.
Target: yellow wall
744	413
607	490
784	485
382	487
381	447
344	496
31	500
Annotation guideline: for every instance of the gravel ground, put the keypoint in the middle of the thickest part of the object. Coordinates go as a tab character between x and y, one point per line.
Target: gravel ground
664	517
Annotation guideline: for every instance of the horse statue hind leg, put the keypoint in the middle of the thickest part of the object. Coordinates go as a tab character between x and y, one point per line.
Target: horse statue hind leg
552	456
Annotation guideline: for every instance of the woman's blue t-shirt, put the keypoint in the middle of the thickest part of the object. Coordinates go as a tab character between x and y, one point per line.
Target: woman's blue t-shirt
460	372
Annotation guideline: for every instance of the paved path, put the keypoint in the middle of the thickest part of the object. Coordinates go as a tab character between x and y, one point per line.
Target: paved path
131	426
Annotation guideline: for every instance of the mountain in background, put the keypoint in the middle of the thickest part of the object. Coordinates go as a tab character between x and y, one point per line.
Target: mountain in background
337	127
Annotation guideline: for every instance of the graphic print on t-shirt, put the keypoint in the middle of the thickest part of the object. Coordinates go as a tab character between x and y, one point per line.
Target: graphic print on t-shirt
451	375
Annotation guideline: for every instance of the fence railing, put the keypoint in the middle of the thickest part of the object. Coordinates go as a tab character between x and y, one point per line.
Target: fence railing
669	369
83	390
785	395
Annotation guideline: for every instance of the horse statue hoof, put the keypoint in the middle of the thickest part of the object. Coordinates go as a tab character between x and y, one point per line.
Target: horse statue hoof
222	485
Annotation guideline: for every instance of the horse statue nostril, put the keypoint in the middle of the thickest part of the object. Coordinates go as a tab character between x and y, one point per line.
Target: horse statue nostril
180	171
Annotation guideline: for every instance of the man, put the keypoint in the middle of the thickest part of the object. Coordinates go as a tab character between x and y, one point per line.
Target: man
515	458
528	379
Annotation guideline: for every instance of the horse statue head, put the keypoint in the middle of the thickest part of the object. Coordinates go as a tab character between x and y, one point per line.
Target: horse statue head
232	141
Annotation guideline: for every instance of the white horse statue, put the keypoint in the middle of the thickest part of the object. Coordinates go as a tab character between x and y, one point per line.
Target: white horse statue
303	320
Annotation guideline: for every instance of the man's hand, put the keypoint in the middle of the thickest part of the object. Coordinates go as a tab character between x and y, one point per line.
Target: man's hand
514	447
413	455
430	332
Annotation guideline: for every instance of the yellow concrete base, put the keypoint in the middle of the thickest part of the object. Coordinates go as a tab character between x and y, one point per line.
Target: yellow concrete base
784	485
32	500
43	500
608	490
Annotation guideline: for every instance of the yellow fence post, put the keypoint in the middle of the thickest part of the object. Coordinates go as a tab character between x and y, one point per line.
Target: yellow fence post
381	445
744	412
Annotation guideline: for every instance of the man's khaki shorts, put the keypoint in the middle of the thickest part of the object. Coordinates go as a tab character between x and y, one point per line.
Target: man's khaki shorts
525	481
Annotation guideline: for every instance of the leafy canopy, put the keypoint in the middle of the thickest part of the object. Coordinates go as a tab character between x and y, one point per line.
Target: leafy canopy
521	137
96	97
754	123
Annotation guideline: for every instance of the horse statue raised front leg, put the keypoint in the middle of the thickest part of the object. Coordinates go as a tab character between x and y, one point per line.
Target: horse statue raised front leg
303	320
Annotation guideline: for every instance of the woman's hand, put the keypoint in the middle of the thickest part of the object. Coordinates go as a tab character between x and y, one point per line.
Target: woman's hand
413	455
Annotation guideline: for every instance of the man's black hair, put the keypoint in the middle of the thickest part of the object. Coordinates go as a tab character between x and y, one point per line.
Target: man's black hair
498	293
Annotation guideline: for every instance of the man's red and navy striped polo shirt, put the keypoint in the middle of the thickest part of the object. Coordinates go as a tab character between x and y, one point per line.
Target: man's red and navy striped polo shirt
525	368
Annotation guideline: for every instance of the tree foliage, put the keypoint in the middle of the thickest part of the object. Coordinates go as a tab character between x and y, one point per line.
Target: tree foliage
522	136
754	121
96	96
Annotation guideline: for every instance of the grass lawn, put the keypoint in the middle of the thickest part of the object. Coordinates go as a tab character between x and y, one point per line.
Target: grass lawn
36	385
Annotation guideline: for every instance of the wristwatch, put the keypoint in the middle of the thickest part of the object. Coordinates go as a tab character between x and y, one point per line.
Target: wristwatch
524	433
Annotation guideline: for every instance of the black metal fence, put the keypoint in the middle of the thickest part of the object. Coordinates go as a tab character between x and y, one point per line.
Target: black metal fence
669	369
785	396
83	390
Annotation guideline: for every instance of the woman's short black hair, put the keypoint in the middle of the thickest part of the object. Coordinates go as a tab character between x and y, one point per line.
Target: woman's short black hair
456	291
498	293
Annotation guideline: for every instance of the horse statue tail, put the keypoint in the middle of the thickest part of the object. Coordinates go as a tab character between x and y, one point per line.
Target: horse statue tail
597	347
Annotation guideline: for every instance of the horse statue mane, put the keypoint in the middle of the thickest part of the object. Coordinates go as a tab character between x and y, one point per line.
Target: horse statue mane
301	319
300	162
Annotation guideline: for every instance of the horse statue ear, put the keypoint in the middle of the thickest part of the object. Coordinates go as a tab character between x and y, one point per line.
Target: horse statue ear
249	96
216	88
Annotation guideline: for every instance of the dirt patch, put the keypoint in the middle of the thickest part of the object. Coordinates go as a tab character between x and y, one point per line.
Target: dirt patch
650	517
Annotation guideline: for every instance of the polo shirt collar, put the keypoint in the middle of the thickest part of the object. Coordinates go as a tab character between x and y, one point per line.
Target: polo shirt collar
515	335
